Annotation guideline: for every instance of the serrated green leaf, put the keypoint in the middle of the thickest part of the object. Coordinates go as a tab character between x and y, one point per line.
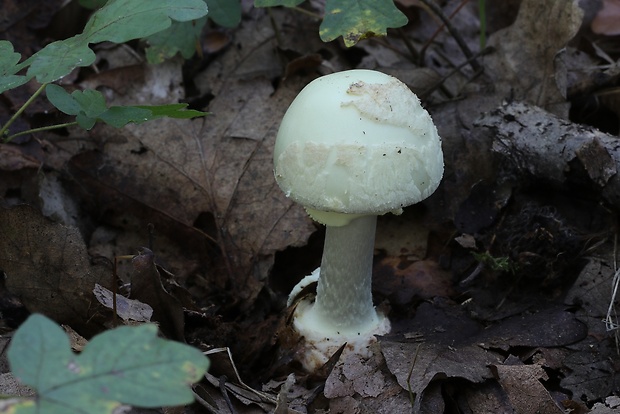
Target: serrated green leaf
8	58
119	116
87	105
84	121
126	365
12	81
37	351
9	66
274	3
226	13
180	37
59	58
355	20
62	100
91	102
90	105
122	20
177	111
118	21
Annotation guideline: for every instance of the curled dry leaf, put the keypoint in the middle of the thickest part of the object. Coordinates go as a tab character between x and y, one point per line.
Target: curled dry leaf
126	309
48	268
146	287
524	389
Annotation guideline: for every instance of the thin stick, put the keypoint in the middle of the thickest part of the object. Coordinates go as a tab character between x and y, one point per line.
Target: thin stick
455	34
22	109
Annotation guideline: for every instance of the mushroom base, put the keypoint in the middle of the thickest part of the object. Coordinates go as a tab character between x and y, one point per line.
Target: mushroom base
319	344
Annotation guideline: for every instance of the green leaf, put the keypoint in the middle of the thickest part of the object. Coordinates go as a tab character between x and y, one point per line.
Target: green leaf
180	37
118	21
273	3
85	121
126	365
226	13
91	102
119	116
87	105
61	99
8	58
122	20
355	20
59	58
177	111
9	66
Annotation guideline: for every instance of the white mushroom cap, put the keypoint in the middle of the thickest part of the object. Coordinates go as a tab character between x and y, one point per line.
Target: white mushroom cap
357	142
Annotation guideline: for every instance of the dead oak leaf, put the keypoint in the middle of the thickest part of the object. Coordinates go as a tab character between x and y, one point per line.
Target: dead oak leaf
524	389
222	168
48	268
437	343
442	341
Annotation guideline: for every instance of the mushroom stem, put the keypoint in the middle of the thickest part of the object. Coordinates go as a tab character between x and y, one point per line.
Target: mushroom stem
344	292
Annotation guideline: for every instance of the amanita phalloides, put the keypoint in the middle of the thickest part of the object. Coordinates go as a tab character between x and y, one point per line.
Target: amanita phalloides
352	145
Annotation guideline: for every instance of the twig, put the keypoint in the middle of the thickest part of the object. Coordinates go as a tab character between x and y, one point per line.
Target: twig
224	392
455	34
205	403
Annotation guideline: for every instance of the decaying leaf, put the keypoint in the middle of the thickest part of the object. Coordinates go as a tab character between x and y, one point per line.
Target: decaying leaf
524	65
210	185
524	389
48	268
126	309
607	20
441	342
146	287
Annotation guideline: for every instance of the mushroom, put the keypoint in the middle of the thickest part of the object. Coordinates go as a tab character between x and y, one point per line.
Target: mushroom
352	145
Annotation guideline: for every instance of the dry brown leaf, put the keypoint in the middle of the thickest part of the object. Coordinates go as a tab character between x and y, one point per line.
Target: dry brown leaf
403	281
13	158
524	389
441	344
146	286
219	171
48	268
525	63
127	309
607	20
593	361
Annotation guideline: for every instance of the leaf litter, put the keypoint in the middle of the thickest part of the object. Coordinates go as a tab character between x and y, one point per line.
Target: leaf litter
221	223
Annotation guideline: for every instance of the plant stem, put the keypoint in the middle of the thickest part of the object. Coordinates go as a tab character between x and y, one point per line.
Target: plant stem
344	292
307	12
34	130
21	110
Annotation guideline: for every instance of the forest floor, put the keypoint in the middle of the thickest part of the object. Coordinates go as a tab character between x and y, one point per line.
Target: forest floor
500	286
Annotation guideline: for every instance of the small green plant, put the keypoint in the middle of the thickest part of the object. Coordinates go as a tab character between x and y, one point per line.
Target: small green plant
129	365
498	264
117	21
